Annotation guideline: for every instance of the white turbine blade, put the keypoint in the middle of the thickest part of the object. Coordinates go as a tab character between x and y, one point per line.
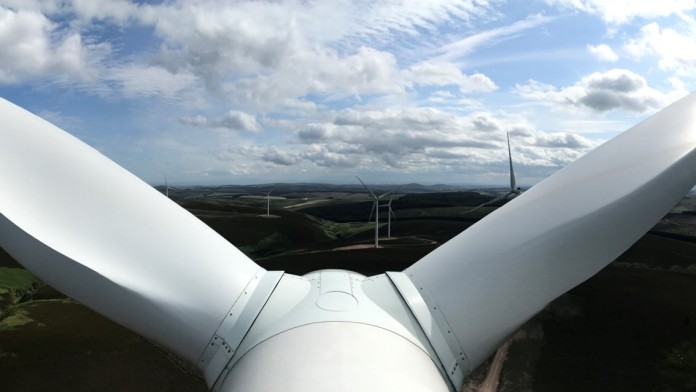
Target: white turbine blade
393	191
497	274
513	184
386	194
389	206
368	189
372	211
118	246
501	197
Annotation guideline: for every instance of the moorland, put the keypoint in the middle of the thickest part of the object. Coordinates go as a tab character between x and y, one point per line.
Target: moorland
630	327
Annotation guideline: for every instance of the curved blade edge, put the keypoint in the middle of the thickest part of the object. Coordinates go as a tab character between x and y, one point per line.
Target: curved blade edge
99	234
501	271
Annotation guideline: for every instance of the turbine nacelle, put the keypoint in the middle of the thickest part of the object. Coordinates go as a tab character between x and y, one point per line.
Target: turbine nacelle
322	326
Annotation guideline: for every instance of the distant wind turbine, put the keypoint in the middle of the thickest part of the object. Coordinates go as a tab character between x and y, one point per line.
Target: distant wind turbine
514	189
166	187
375	208
390	213
268	203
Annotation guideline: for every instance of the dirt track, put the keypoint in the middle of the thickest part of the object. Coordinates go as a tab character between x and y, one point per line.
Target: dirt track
490	384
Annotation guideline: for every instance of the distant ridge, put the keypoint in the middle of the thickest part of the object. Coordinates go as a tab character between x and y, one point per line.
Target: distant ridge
324	187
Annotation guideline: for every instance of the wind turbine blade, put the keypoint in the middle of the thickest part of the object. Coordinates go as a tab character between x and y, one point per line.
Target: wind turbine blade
368	189
390	208
513	184
117	246
386	194
372	211
497	274
393	191
493	201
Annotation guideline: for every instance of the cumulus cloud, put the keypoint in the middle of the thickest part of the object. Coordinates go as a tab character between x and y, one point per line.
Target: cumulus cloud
325	73
266	55
616	89
675	51
603	52
426	138
234	120
33	46
278	157
444	73
564	140
324	155
301	62
410	118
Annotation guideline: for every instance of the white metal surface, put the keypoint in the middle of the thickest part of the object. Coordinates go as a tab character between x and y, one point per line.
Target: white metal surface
102	236
335	330
335	356
449	351
334	296
501	271
234	327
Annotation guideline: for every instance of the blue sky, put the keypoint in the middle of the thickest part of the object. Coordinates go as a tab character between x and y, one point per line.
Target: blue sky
240	92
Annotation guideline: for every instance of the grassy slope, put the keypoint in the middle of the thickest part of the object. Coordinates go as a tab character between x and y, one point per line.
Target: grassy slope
632	322
16	279
59	345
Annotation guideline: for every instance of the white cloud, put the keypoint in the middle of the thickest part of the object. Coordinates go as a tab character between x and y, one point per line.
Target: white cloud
675	51
31	47
33	5
324	155
619	12
266	55
335	67
603	52
325	73
465	46
616	89
279	157
234	120
564	140
148	81
444	73
118	11
384	21
417	139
